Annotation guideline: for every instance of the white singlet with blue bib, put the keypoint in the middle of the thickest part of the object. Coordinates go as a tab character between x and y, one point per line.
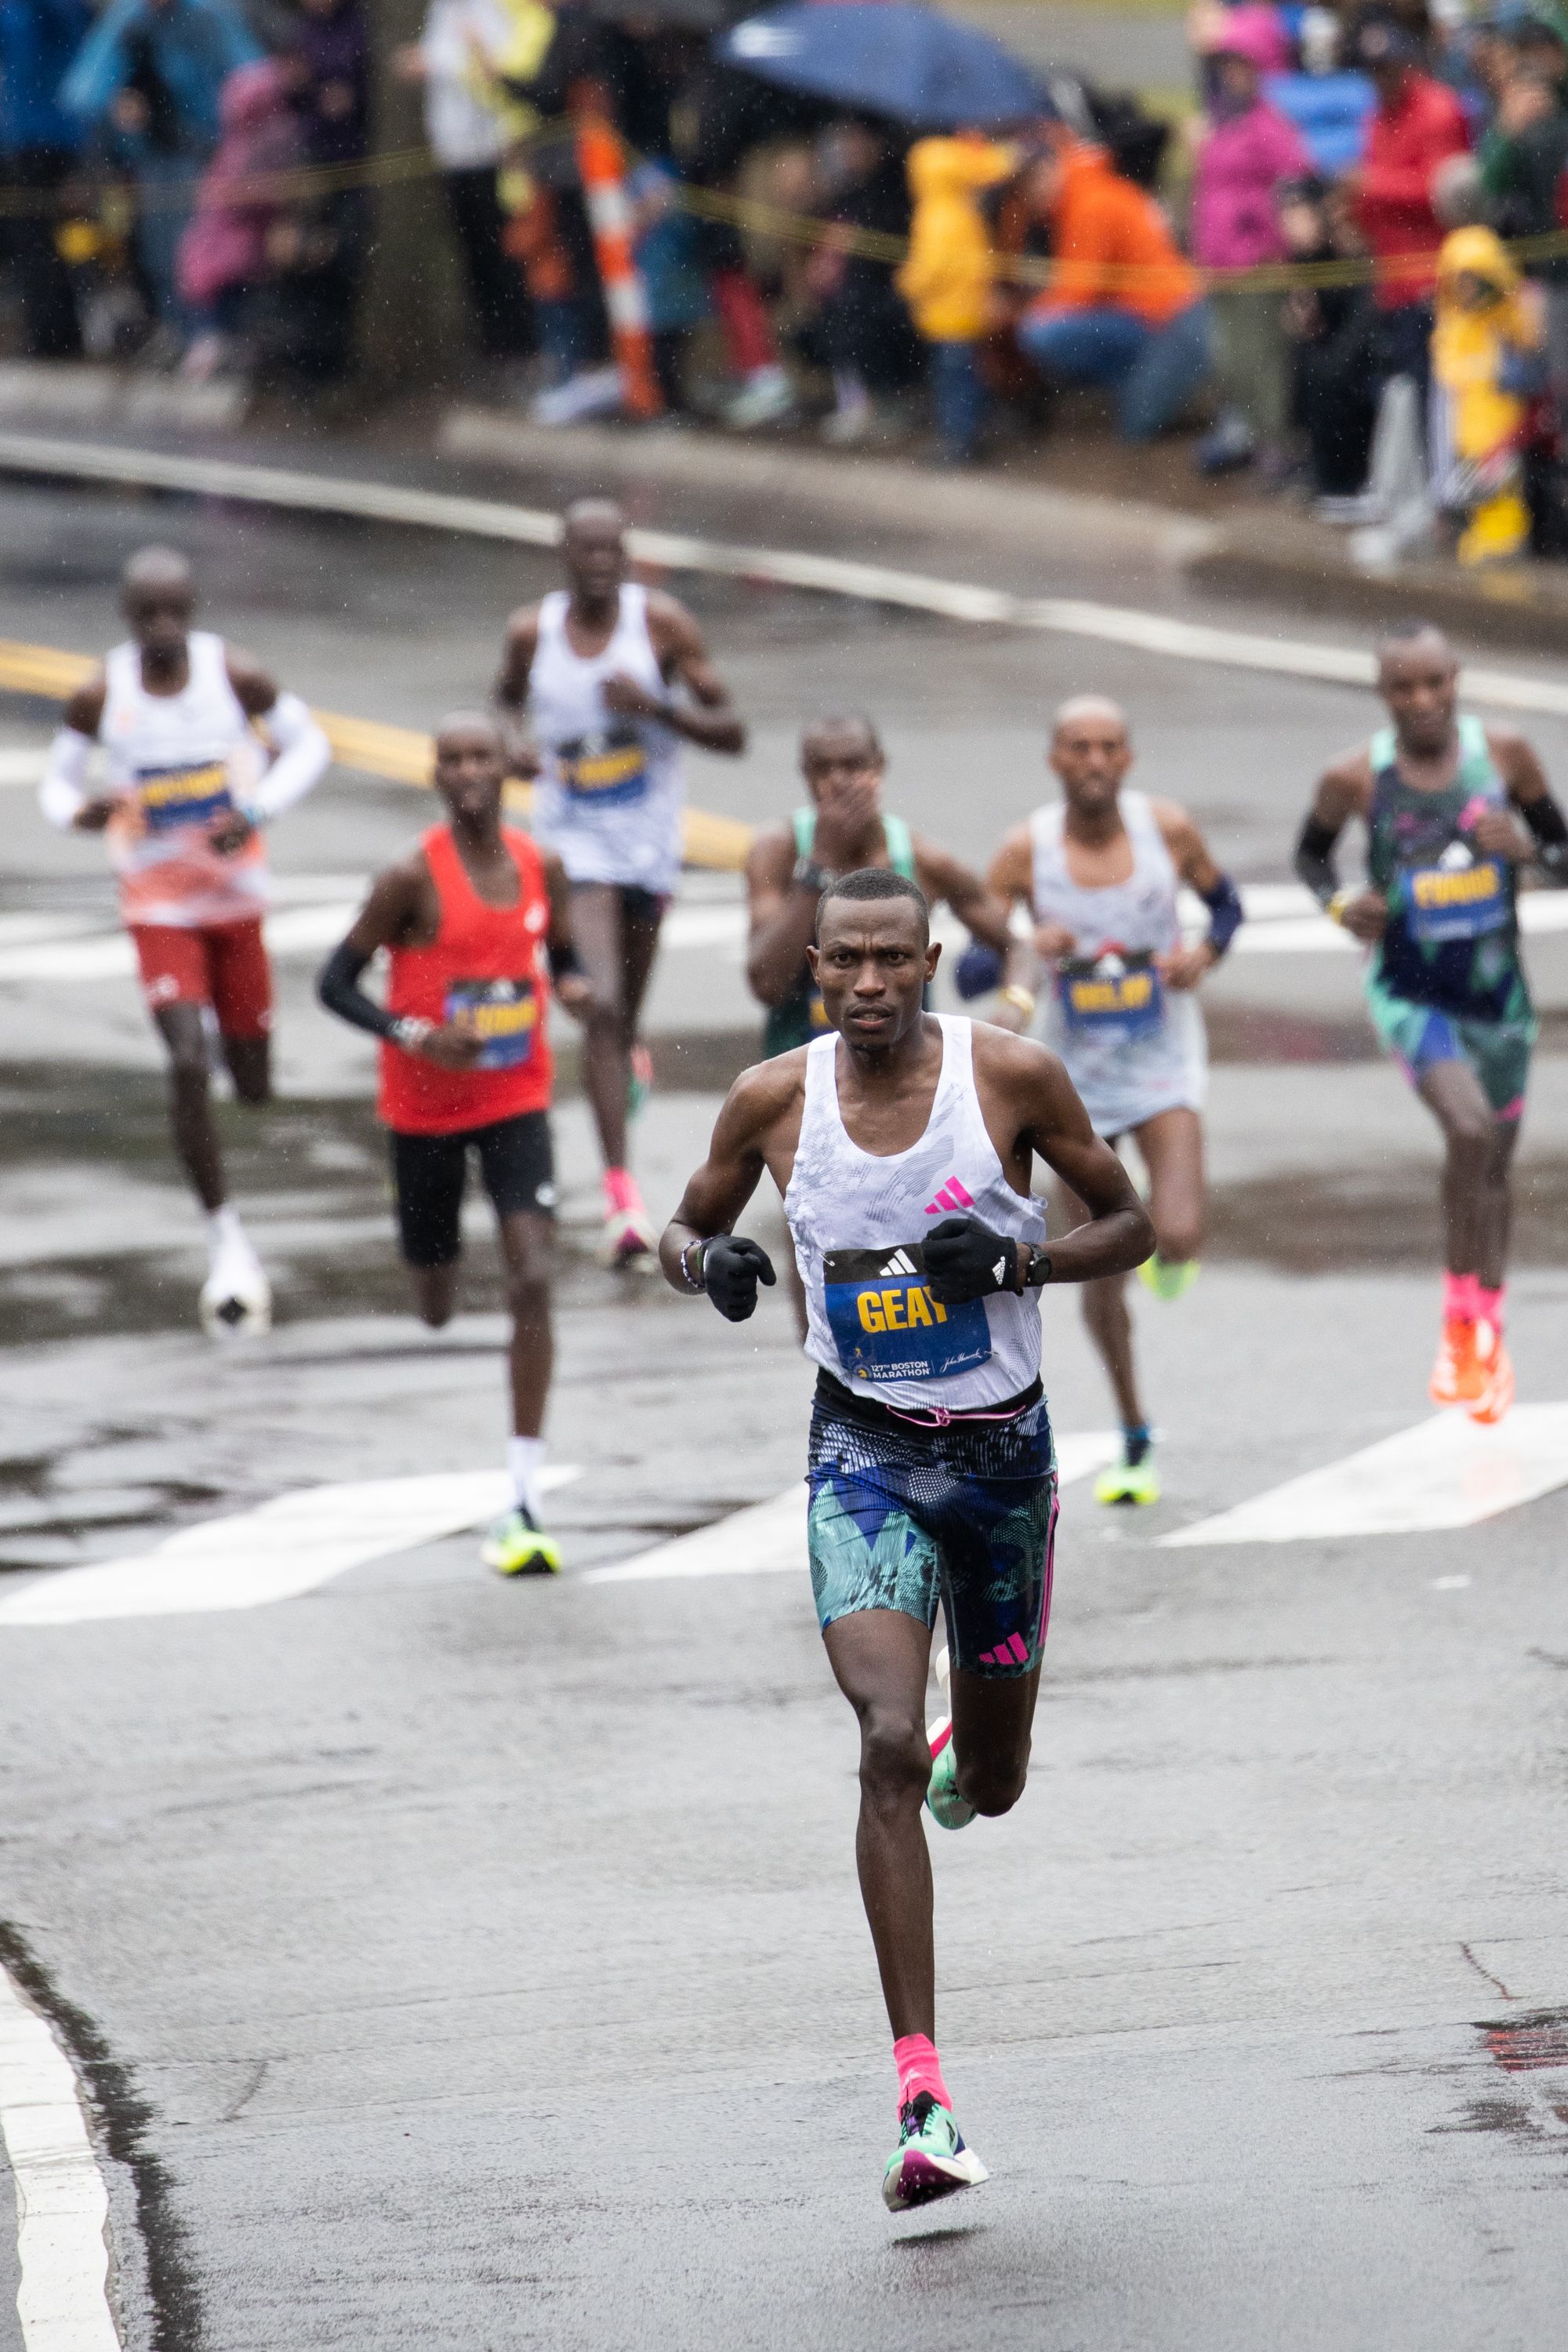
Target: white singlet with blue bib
1132	1047
609	797
858	1221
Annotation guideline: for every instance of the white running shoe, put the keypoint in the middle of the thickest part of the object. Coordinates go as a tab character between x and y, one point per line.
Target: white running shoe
630	1241
237	1296
767	398
595	392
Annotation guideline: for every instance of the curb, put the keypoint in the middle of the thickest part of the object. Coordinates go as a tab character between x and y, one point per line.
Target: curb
33	391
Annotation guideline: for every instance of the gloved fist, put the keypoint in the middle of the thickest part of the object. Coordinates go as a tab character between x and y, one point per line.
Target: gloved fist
979	970
731	1270
965	1260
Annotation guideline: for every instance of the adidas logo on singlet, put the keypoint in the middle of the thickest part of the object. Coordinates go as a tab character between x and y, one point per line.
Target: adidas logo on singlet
901	1262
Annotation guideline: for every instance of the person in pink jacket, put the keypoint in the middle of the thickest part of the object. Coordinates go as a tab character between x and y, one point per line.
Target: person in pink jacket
1246	149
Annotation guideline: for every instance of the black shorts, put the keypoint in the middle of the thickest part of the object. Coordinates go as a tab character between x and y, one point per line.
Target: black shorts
637	904
429	1171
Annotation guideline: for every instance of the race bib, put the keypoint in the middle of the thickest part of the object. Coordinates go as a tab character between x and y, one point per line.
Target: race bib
1107	996
502	1014
169	798
609	769
887	1326
1456	902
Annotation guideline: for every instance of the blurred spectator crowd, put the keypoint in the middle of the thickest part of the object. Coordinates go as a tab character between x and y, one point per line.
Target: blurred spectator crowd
1345	269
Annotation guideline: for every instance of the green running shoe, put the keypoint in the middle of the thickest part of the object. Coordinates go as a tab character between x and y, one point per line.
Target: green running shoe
942	1799
515	1547
1169	1277
931	2159
1128	1482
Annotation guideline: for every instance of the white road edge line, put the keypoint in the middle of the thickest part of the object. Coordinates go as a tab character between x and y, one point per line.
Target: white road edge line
62	2205
275	1552
952	600
1447	1472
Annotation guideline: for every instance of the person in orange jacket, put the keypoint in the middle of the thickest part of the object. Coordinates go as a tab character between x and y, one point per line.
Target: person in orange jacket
1124	307
947	276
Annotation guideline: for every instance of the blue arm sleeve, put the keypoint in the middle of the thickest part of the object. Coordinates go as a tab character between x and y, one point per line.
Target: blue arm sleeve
1223	903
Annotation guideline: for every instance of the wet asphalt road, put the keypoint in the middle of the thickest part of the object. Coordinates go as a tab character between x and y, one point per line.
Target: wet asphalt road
488	1960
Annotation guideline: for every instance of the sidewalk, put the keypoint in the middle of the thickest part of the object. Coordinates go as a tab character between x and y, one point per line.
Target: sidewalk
1078	498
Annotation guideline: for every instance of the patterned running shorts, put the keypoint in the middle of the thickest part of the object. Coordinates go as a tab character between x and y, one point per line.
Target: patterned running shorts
1417	1035
964	1516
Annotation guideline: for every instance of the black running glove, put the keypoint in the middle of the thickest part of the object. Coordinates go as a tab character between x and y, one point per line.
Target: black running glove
965	1260
731	1270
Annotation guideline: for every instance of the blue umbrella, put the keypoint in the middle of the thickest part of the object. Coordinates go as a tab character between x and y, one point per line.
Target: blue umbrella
884	56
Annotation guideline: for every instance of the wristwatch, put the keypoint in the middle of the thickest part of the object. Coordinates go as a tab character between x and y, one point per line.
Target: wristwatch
410	1031
1038	1273
810	876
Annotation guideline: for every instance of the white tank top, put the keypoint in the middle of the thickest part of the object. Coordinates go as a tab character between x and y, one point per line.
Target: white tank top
179	760
609	798
1132	1047
858	1222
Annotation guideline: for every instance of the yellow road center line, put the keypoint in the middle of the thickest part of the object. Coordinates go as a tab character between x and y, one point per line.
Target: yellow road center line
371	748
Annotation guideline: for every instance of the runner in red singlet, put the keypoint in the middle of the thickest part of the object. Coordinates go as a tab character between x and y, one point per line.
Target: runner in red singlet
465	1062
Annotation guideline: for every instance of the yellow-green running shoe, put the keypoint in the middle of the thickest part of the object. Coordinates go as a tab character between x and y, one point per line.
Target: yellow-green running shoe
931	2159
515	1547
1169	1277
1128	1482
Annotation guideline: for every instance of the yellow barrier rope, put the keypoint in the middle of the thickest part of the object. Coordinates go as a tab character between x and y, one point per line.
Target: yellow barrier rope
405	166
400	754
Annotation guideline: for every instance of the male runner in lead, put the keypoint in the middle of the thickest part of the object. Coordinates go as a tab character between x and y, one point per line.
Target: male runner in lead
931	1471
465	1062
1100	871
186	796
844	829
594	667
1438	793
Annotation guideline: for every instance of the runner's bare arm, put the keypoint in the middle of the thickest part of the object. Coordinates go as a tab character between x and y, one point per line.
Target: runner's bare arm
395	914
300	751
63	795
737	1156
1010	879
981	911
1345	790
1543	835
573	987
710	719
780	917
1054	1125
1186	966
511	691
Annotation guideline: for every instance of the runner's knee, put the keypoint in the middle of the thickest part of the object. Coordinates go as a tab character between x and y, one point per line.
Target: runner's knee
528	1293
188	1067
993	1786
1470	1136
895	1758
1104	1308
1178	1240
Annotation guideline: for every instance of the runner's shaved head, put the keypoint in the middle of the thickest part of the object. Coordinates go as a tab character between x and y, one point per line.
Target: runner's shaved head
1423	638
841	734
469	722
159	568
594	514
1096	710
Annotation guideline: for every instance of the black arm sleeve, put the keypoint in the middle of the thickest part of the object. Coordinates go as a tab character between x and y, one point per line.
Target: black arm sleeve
1550	832
338	987
563	959
1315	859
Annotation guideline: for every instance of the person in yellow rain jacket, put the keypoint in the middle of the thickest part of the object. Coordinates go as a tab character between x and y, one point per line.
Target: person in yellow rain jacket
1488	361
947	279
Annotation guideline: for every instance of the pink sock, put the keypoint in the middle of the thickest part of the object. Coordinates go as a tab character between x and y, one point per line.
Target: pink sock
621	1190
1460	1302
1489	1306
920	2069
